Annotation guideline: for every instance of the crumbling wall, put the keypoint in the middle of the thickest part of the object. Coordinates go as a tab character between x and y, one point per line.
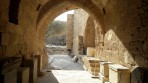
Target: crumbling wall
84	27
80	19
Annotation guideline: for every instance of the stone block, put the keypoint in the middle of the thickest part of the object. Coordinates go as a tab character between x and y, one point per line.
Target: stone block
93	73
39	62
4	38
102	78
90	51
23	75
92	60
104	68
32	64
139	75
94	64
119	74
96	69
9	77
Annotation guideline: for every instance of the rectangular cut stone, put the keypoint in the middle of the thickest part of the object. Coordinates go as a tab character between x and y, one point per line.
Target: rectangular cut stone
32	64
10	77
39	62
93	73
92	65
104	68
119	74
23	75
90	51
92	60
4	38
102	78
96	69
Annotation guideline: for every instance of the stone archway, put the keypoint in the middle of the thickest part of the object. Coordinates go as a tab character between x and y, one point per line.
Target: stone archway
55	7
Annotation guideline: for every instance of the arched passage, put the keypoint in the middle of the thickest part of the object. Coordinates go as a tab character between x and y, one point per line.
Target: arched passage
55	7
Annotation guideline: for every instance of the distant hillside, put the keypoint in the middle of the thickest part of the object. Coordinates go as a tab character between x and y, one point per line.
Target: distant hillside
55	33
56	28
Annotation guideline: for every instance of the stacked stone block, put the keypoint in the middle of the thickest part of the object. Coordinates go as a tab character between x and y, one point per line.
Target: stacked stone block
104	71
32	64
92	65
23	75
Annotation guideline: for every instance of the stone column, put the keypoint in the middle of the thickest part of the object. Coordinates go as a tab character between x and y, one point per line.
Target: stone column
69	33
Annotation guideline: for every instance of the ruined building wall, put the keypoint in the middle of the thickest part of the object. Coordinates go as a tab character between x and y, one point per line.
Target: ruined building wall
83	32
80	19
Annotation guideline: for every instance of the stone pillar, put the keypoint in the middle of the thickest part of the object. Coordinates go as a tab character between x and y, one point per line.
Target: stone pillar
32	64
23	75
69	33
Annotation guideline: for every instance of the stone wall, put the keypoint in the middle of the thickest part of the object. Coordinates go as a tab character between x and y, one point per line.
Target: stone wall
80	19
20	27
125	37
83	27
89	33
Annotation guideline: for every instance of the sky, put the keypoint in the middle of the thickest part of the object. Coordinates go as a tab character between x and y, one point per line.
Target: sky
63	17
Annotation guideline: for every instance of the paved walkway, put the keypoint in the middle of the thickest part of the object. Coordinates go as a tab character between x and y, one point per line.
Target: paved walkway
63	62
67	76
65	71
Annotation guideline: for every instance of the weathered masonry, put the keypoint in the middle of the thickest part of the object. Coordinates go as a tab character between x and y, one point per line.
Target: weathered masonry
118	30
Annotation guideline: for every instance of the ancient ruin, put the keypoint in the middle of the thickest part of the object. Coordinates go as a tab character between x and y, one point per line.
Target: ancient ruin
105	35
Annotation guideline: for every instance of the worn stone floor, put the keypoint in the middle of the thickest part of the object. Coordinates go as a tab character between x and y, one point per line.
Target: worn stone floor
64	70
63	62
67	76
